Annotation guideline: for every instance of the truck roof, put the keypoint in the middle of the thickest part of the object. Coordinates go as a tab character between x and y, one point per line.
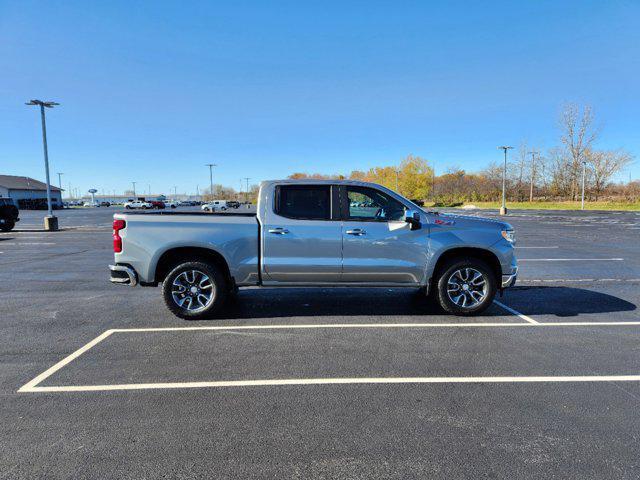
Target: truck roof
314	181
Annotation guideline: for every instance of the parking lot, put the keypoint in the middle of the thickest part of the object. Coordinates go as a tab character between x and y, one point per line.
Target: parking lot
101	381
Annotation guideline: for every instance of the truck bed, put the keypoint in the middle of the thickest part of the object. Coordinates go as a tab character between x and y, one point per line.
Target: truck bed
150	235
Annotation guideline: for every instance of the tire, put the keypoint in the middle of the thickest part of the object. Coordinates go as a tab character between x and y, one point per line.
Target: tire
127	207
7	226
460	291
203	307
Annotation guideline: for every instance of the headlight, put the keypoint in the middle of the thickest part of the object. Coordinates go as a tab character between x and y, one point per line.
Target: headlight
509	236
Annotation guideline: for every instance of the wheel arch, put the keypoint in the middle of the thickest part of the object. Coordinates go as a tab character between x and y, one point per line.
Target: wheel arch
174	256
467	252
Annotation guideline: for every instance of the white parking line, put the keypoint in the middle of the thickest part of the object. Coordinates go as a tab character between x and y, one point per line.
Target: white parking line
570	259
27	243
332	381
515	312
32	386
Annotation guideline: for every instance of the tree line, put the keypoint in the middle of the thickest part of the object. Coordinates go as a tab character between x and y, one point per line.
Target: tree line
532	174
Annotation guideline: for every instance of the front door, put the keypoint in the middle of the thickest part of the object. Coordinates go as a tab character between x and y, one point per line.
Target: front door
303	235
378	245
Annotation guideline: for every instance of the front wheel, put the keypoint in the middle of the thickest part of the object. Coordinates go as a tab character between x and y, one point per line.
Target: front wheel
7	226
194	290
466	286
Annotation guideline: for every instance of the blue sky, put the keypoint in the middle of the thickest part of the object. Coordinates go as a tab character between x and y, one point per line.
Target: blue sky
151	91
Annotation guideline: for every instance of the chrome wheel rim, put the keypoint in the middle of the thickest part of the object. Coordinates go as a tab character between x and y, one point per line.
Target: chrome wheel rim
193	291
467	287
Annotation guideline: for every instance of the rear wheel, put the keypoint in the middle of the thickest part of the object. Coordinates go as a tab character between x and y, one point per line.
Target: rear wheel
465	286
194	290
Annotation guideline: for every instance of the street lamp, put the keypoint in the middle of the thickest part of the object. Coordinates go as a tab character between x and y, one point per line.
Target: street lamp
503	209
584	171
60	182
246	192
50	222
134	189
211	165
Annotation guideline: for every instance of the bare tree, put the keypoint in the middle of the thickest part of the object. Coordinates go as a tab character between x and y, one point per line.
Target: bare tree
578	135
604	165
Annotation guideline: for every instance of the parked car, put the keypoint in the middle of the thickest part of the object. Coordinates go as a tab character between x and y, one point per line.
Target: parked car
233	204
307	233
137	204
157	204
171	204
105	204
91	204
9	214
215	205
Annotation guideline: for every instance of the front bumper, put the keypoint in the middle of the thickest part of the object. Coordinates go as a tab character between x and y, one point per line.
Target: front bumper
510	280
123	275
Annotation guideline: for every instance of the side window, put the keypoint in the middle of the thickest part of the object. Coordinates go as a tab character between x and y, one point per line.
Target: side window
371	204
305	202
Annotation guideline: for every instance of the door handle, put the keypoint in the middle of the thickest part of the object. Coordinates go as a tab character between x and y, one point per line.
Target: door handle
356	231
279	231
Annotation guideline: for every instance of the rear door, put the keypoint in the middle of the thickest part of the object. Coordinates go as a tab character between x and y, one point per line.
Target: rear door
302	235
379	246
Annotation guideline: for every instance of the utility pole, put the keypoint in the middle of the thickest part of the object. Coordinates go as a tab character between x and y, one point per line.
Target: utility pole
246	192
50	222
211	165
134	189
397	174
175	191
584	172
198	192
60	182
533	174
503	209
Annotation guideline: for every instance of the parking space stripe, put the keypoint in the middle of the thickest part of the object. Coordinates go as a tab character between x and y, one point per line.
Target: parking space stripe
47	373
570	259
333	381
515	312
32	386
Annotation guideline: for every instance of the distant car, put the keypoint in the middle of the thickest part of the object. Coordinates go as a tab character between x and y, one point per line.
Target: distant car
105	204
137	204
171	204
184	203
233	204
215	205
91	204
8	214
157	204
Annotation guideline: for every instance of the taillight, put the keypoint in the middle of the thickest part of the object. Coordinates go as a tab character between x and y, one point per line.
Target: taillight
117	239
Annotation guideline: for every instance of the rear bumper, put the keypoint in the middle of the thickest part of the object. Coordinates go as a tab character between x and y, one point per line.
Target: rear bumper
123	275
510	280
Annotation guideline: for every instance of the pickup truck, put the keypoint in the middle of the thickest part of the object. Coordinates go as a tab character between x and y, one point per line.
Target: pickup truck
309	233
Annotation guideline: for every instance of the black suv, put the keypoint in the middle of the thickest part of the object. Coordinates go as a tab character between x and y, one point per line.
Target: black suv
8	214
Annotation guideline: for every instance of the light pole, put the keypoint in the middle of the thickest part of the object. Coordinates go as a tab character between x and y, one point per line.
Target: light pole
533	174
584	171
175	191
503	209
60	182
50	222
246	192
134	189
211	165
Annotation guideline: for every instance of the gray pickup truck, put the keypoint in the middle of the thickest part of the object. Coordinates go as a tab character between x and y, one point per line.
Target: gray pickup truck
329	233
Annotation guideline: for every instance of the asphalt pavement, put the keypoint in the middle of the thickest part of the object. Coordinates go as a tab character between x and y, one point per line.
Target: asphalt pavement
318	383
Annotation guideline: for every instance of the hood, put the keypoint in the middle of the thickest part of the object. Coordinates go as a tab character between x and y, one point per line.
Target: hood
471	221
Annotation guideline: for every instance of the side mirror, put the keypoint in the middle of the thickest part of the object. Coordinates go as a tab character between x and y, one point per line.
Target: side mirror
412	217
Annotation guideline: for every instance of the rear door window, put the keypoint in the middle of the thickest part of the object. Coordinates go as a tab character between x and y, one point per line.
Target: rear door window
304	202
